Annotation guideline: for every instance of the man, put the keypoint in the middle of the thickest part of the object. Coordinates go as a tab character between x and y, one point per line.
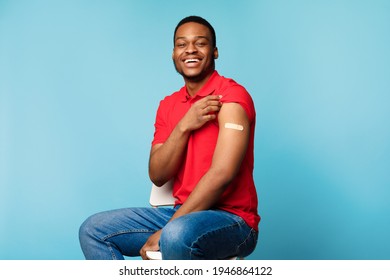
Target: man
204	137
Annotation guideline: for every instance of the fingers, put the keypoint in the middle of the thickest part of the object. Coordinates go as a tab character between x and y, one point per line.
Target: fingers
211	100
211	108
209	104
150	245
207	108
201	112
207	116
142	253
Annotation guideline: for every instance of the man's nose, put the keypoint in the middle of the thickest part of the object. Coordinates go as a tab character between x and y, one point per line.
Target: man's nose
191	48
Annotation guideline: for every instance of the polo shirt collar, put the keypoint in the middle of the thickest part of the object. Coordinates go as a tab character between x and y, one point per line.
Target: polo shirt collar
208	88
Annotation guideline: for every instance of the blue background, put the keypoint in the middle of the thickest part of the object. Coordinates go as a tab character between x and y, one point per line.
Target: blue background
80	82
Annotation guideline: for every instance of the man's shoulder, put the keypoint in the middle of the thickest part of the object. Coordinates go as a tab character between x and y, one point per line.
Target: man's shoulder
233	92
225	83
230	87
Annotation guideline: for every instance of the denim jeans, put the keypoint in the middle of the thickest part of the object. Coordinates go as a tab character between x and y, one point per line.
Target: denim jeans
209	234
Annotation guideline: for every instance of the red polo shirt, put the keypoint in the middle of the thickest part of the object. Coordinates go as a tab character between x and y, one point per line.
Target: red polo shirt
240	196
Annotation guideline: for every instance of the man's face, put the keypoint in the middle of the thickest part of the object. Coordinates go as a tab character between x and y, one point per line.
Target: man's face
193	53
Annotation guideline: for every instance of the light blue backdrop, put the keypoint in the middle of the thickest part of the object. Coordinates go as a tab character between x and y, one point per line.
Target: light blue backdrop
80	82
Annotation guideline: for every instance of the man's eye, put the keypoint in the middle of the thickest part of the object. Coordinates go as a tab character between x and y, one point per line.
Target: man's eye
180	45
201	44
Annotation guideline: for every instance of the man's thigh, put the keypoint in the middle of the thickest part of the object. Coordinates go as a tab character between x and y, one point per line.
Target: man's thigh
129	228
210	234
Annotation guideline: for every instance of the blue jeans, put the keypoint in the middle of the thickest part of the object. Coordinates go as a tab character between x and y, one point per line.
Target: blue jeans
210	234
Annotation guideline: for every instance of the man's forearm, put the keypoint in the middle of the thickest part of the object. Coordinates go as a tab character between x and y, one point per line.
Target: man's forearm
165	159
206	194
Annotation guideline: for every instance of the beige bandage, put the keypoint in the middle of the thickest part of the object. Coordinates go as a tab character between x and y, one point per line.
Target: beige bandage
234	126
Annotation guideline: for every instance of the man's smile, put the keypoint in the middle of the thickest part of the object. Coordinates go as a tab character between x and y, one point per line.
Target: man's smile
191	60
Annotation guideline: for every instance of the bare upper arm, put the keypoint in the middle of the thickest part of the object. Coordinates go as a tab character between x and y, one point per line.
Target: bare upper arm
233	138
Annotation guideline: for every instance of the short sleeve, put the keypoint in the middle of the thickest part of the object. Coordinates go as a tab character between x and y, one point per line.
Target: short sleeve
238	94
161	132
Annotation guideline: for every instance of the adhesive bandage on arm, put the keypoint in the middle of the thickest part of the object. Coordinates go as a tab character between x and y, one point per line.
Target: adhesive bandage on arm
234	126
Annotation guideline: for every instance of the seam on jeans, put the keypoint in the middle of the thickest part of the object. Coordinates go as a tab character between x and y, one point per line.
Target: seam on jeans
108	244
246	239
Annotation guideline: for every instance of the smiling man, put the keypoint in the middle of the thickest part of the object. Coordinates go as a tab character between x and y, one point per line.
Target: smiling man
203	141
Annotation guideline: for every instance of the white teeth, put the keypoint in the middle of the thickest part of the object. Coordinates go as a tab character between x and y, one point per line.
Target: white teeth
191	60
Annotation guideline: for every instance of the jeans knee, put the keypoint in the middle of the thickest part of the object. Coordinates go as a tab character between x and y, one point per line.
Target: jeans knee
88	228
175	236
91	238
177	241
172	233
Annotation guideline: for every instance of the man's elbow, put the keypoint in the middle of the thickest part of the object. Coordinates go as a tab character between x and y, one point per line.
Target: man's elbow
157	180
224	176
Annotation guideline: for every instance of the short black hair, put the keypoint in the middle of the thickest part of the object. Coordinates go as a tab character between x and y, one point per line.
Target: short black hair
199	20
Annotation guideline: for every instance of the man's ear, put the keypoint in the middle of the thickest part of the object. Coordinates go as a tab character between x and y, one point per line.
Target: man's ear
215	53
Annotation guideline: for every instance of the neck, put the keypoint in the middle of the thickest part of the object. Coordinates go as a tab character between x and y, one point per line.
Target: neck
193	86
